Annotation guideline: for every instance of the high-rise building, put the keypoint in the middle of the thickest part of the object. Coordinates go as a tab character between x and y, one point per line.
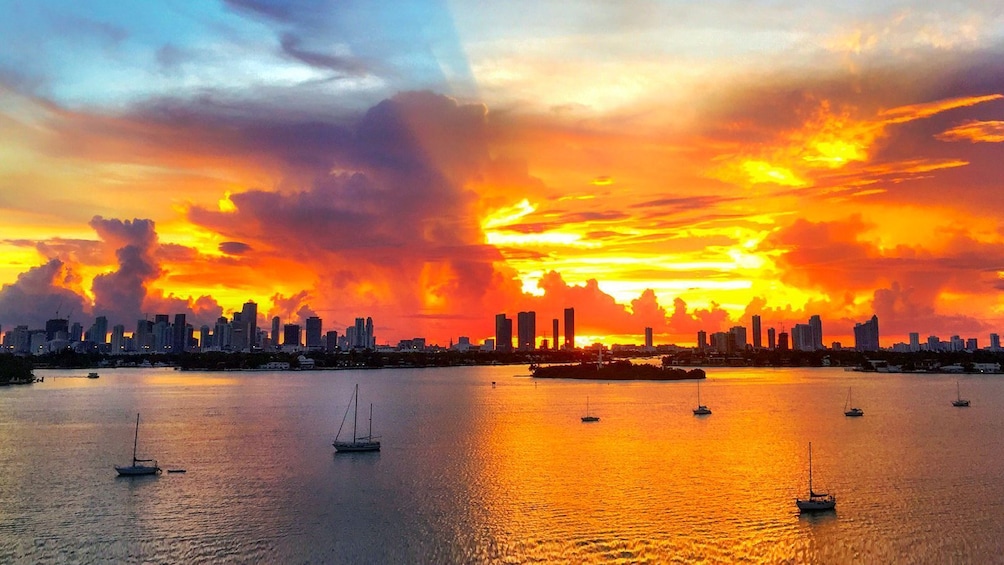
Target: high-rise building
554	332
757	342
503	333
331	341
722	342
526	328
180	335
569	328
143	337
815	333
648	338
995	342
118	339
738	337
782	341
291	336
866	335
275	331
972	344
56	326
370	334
313	324
802	338
99	331
702	340
771	338
359	338
249	321
914	341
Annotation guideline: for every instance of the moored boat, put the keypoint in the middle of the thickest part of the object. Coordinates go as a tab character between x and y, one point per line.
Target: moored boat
817	501
139	466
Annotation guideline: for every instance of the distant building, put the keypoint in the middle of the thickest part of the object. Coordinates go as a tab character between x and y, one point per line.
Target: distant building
331	341
782	341
995	342
914	341
866	335
554	332
771	338
249	323
503	333
275	331
313	333
815	333
648	338
702	340
291	335
802	338
526	328
757	341
738	336
569	328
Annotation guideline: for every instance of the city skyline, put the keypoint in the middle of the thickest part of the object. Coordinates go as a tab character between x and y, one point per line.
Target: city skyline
656	165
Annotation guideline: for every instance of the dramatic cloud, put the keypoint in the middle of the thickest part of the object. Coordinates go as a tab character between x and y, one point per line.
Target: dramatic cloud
39	294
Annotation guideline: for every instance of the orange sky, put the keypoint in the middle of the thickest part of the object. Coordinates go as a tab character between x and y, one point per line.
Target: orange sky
680	170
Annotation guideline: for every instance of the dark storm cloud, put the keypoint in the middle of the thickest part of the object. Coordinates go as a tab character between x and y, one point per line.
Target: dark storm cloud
234	248
38	295
120	294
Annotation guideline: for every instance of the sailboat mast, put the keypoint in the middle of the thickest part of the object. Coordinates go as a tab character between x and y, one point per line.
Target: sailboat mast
135	440
355	413
810	468
371	421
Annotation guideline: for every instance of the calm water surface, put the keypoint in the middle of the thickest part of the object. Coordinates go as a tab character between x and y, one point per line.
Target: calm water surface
471	473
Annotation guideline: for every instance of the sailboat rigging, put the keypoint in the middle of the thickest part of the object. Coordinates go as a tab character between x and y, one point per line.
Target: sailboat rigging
959	401
587	417
358	443
701	409
139	466
817	501
851	411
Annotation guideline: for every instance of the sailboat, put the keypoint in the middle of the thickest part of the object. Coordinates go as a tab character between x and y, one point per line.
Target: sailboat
587	417
701	409
817	501
358	443
139	466
850	411
959	401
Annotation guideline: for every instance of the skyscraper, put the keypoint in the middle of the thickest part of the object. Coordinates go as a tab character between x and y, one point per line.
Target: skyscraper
757	342
526	328
816	333
554	331
359	339
738	337
370	335
771	338
503	333
249	321
648	338
313	324
569	328
866	335
275	332
179	344
99	331
702	340
291	335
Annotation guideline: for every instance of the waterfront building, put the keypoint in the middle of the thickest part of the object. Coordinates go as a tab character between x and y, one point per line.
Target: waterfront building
771	338
782	341
313	333
971	344
526	328
866	335
722	342
995	342
702	340
331	341
370	334
99	331
249	323
757	341
55	327
738	336
815	333
914	341
118	339
291	336
275	331
554	332
802	338
569	328
503	333
648	339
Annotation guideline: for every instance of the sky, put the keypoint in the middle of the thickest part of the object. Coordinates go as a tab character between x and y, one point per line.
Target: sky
674	165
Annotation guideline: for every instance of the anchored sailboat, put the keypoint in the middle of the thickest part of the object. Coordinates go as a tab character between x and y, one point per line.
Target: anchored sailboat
139	466
701	409
587	417
850	411
959	401
817	501
358	443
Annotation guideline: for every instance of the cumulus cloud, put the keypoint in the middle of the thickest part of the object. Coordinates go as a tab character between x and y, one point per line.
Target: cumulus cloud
39	294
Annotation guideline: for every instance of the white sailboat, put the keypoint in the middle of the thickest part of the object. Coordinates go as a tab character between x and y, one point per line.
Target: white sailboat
959	401
139	466
848	409
358	443
587	417
817	501
701	409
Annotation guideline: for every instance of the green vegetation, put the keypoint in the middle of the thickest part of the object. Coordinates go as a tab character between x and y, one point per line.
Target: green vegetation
15	369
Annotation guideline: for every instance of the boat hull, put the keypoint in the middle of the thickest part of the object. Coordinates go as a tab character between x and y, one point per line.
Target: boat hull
356	446
136	470
590	418
854	413
960	403
702	411
816	505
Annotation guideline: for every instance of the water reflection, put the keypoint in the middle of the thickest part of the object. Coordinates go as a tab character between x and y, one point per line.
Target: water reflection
471	472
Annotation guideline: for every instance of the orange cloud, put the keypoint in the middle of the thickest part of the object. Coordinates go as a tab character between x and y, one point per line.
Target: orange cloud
975	131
